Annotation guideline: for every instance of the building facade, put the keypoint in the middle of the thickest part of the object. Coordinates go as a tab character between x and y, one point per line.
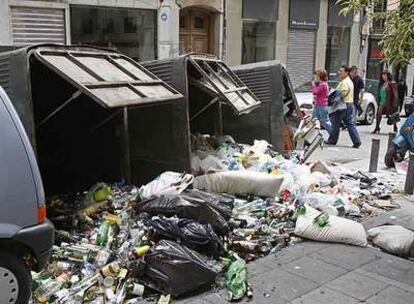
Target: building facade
374	58
303	34
128	26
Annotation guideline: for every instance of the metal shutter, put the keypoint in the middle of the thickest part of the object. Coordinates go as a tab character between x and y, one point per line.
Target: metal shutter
37	25
5	72
259	81
301	55
163	69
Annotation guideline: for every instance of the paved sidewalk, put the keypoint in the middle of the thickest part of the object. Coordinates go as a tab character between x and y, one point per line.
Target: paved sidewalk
313	272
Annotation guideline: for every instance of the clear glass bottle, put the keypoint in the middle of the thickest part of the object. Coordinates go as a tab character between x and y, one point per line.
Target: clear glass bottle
45	291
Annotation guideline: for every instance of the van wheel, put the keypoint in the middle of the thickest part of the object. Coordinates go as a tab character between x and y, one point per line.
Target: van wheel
369	115
15	280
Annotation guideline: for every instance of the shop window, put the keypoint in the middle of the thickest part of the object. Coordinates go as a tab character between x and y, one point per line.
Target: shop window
378	24
337	49
130	25
132	32
109	27
259	30
87	25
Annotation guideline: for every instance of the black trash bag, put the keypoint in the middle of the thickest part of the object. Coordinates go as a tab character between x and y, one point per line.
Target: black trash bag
221	202
177	270
175	205
199	237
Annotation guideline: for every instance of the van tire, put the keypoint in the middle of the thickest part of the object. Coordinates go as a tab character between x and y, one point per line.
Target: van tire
16	266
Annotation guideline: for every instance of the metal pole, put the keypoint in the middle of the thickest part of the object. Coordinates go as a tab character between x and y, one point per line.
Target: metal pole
213	101
126	146
391	137
220	118
409	179
59	108
224	33
373	162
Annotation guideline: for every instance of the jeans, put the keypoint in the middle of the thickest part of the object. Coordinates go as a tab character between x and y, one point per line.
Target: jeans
347	117
358	110
321	113
355	113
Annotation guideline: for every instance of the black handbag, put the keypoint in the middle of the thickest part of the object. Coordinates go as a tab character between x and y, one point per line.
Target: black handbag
393	118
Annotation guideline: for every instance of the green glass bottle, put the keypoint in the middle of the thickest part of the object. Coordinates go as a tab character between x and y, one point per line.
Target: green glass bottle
103	233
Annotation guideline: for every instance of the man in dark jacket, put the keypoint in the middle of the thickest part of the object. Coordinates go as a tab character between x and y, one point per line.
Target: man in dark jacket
358	91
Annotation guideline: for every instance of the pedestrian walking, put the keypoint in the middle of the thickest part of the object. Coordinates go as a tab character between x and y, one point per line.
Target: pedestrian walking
343	111
387	100
402	92
358	91
320	90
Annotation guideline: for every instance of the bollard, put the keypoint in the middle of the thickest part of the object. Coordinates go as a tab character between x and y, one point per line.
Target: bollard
391	137
409	179
373	162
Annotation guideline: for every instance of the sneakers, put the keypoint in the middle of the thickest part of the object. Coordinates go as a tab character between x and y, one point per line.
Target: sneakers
356	146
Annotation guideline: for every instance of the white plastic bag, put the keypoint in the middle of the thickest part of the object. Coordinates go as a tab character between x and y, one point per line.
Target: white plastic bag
338	230
393	239
167	183
289	184
240	182
322	202
212	164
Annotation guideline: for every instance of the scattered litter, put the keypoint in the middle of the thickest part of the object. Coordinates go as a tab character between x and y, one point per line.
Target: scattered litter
180	232
166	183
164	299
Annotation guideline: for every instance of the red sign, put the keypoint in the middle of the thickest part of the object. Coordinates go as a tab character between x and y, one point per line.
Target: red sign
377	54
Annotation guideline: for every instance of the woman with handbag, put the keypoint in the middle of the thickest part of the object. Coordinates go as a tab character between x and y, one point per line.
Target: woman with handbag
320	90
388	101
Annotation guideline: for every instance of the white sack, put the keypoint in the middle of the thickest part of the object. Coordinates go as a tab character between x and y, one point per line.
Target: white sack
339	230
393	239
240	182
167	183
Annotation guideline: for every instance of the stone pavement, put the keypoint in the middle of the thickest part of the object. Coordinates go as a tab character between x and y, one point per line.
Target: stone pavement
314	272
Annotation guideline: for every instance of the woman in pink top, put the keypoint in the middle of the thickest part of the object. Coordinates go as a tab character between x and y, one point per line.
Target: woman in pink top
320	90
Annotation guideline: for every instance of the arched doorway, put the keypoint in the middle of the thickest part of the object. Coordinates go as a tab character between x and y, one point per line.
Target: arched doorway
196	31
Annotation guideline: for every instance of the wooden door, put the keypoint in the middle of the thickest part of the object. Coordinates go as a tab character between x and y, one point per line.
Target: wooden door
195	31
